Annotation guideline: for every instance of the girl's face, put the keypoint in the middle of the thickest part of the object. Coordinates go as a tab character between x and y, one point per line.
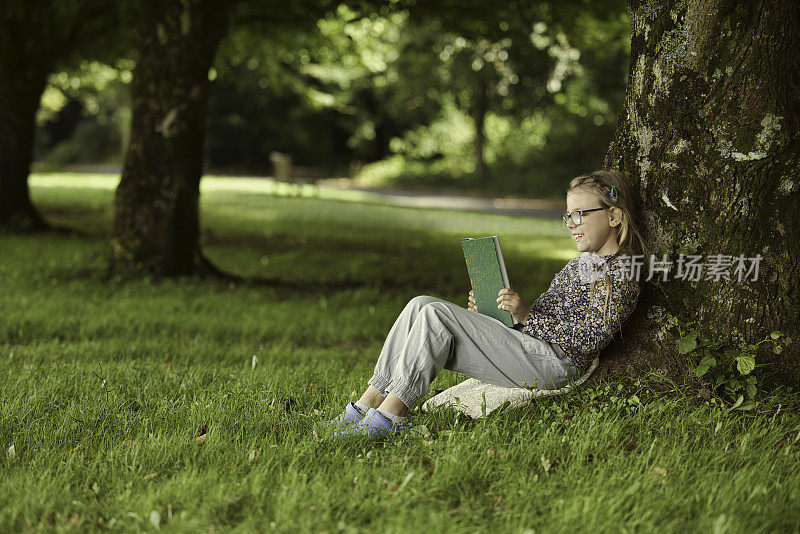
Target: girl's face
598	230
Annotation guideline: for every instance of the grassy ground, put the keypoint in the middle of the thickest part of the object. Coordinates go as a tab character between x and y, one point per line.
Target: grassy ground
203	421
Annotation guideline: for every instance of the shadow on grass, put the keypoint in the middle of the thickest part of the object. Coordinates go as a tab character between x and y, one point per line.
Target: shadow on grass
298	248
345	257
340	259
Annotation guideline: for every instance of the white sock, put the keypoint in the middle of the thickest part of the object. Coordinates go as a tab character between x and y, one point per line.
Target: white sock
391	417
363	408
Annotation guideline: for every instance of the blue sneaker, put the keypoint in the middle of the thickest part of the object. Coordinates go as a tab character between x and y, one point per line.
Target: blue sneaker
350	416
374	424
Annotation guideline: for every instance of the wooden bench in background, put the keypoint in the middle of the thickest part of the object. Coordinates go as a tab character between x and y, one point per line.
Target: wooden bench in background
297	179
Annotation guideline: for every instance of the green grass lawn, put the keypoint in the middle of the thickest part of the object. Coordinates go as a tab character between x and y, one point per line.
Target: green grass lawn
251	366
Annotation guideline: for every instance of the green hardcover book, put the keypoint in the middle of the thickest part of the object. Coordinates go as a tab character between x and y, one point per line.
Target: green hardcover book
487	275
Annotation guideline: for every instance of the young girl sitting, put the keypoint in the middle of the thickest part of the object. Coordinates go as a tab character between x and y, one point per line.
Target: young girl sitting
552	341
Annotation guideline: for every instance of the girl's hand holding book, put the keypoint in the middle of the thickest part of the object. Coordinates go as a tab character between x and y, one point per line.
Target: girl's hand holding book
512	302
471	306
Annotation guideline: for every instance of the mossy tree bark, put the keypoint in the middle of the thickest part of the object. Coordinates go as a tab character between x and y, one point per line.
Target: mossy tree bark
709	133
156	224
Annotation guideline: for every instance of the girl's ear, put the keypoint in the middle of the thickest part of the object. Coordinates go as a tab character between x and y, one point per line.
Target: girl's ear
616	217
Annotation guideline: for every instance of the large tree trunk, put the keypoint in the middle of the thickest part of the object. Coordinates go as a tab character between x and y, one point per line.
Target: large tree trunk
710	134
156	226
21	87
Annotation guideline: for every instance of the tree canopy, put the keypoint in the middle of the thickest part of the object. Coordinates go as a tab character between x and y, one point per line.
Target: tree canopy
402	86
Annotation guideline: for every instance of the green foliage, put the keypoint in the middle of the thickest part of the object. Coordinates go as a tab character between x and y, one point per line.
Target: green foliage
344	87
84	115
50	33
721	366
546	119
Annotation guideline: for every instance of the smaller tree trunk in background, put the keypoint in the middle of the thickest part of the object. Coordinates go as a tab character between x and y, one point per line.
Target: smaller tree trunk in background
21	87
35	38
156	223
478	111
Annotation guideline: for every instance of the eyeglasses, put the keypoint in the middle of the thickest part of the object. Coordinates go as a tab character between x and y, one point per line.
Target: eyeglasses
577	216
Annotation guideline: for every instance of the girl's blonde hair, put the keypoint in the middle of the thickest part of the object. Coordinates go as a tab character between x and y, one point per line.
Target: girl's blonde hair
628	199
613	189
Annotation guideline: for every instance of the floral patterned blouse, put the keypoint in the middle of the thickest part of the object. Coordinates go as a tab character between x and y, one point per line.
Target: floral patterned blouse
564	314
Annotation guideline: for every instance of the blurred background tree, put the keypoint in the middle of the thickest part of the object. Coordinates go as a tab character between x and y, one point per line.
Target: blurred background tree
500	99
36	40
156	211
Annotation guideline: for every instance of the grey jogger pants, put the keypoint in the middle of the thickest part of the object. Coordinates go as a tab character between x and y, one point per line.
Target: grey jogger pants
431	334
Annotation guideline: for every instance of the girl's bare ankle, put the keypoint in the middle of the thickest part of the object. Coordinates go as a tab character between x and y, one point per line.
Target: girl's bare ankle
371	400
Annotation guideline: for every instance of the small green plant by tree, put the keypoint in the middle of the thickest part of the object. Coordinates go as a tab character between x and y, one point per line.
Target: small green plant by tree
724	365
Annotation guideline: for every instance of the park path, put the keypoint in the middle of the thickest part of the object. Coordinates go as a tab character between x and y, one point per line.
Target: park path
524	207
